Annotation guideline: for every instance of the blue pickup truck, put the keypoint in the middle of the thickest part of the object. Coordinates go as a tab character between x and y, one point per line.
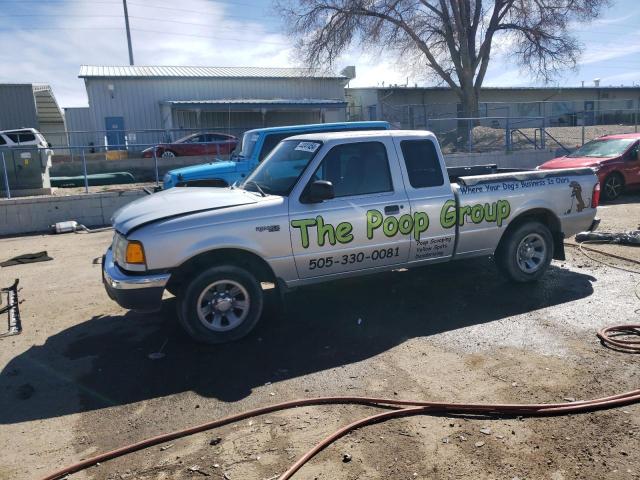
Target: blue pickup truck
256	145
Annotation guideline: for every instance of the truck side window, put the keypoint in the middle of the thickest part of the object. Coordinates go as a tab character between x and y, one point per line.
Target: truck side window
270	142
2	140
356	169
422	162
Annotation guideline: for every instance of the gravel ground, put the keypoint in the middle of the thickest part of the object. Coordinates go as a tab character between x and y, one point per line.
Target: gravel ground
79	379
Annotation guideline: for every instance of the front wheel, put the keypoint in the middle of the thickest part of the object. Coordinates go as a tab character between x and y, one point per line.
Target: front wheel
168	154
220	305
525	254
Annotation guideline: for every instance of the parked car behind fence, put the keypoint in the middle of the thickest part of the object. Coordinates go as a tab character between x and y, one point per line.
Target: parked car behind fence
201	143
23	137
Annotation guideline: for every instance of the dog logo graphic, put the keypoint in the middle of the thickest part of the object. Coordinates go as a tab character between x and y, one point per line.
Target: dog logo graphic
576	197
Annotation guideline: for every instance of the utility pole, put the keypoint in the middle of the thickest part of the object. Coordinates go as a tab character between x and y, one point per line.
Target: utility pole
126	22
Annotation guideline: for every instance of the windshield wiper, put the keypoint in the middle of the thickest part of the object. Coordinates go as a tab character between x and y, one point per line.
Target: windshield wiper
257	186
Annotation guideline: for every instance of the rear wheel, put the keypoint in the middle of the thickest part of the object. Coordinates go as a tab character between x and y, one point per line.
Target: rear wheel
525	254
612	186
221	304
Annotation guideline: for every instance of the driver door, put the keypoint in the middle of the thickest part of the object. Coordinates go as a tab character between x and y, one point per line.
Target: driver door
346	233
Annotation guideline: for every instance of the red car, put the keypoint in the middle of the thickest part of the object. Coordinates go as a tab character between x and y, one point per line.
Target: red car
201	143
615	159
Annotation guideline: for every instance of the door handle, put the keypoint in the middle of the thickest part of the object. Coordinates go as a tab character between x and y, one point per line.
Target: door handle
391	209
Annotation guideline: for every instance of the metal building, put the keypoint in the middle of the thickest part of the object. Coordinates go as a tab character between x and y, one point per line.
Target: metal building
415	107
126	102
27	105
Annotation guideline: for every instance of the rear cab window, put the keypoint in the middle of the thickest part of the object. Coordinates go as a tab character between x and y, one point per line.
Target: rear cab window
22	136
422	163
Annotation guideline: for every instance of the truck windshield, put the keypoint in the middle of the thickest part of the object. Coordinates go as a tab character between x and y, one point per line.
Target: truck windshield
279	172
249	140
612	147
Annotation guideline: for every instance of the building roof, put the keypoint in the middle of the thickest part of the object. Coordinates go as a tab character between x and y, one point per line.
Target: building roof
506	88
161	71
252	104
46	105
258	101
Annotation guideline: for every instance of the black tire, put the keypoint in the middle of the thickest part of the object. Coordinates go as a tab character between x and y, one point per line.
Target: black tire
612	186
193	296
517	265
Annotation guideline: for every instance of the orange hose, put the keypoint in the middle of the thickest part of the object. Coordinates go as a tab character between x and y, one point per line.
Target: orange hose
534	409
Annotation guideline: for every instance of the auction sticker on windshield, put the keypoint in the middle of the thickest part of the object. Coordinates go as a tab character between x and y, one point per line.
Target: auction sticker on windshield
307	146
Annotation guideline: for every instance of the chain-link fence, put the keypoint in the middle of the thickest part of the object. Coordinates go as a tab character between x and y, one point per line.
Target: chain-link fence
90	160
32	167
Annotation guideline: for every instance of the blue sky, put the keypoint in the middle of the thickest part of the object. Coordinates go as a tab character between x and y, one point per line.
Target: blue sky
47	41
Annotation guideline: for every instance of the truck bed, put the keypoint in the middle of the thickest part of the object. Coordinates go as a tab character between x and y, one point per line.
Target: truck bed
478	174
455	173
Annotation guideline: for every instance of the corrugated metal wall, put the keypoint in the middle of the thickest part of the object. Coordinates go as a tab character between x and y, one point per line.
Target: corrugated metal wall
17	107
80	119
242	120
138	101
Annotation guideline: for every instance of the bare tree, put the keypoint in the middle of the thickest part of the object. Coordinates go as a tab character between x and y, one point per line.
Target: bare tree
453	39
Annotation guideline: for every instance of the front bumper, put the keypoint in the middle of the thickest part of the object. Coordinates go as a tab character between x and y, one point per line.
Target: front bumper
134	292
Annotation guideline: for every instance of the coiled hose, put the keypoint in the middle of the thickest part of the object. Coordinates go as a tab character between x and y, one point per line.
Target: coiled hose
610	336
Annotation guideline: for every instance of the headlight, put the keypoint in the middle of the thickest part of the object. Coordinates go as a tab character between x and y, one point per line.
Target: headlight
129	254
166	179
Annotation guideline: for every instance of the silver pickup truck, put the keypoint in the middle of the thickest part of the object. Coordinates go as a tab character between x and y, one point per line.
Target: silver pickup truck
326	206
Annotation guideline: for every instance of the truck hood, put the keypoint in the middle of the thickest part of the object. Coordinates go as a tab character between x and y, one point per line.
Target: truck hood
577	162
177	202
196	171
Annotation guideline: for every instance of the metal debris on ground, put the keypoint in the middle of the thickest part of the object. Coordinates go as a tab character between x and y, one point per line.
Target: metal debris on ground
9	304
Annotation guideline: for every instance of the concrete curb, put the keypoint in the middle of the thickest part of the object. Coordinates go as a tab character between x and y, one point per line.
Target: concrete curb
36	214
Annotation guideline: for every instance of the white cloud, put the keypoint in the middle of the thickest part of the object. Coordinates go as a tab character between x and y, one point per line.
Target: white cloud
54	55
599	52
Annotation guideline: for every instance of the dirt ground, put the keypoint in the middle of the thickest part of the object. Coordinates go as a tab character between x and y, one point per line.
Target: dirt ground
79	379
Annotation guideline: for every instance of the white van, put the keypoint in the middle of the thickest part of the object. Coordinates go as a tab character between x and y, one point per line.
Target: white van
22	137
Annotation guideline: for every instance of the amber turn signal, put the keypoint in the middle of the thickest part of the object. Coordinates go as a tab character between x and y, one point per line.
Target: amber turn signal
135	253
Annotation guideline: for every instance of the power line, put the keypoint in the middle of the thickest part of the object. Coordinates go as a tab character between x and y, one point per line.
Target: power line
161	32
235	29
200	11
233	39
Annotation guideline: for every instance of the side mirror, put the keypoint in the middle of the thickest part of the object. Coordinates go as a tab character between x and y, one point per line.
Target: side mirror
319	191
